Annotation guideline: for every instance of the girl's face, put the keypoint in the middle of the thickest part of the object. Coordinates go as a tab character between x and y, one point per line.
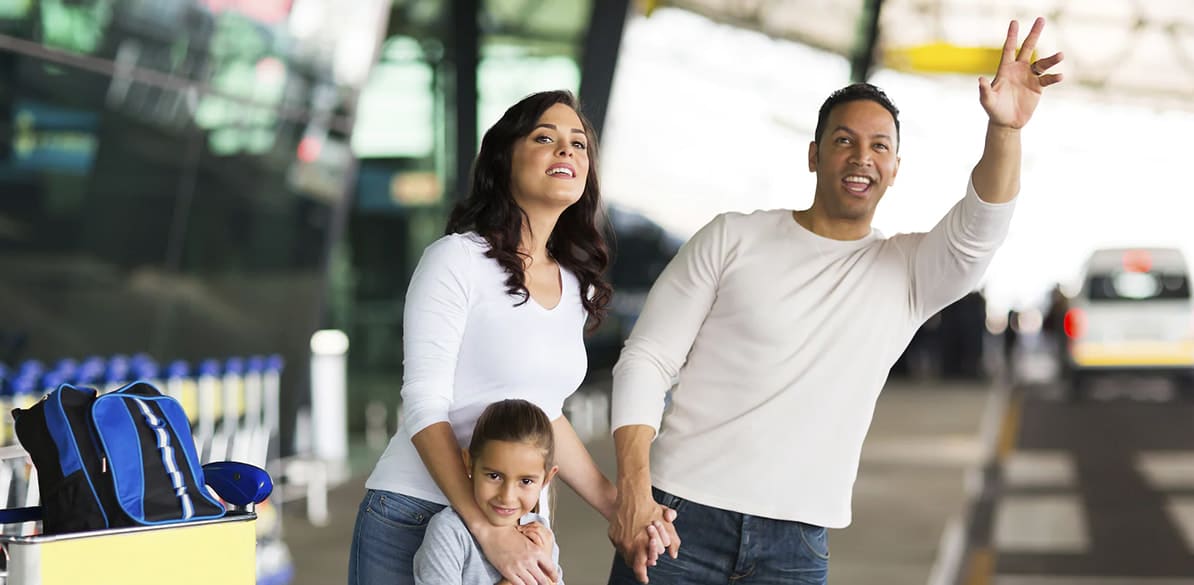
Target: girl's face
507	480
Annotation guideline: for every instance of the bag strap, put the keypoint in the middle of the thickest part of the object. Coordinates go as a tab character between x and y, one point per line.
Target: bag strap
168	457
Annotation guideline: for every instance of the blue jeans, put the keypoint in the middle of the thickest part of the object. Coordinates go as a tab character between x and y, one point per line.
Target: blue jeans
389	529
720	546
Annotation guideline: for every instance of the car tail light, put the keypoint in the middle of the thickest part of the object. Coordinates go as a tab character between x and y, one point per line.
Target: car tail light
1075	323
1137	261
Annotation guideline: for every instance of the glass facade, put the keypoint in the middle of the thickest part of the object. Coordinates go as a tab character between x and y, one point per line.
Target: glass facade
171	174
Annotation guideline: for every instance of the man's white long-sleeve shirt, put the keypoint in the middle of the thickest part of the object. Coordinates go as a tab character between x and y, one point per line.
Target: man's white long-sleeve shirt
777	342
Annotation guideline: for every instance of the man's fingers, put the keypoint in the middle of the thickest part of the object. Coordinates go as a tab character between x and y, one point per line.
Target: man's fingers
669	514
1029	45
1047	80
1009	43
1045	63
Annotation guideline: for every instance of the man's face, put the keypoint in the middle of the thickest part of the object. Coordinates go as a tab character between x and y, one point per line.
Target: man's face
856	160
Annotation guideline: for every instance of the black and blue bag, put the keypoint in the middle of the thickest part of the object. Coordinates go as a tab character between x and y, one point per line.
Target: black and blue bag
125	458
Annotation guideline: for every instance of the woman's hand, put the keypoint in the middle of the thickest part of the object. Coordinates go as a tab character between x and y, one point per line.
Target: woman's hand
516	556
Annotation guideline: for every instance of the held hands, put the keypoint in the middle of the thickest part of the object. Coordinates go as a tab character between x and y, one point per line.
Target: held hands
641	530
517	556
1016	90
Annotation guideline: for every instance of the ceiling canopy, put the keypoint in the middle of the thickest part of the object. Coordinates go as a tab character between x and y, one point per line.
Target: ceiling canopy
1134	49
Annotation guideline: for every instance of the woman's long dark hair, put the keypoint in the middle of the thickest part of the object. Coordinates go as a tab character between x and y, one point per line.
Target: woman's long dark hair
576	242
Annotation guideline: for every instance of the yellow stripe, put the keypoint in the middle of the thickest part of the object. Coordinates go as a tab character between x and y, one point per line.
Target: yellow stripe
1010	428
982	559
982	566
1138	353
222	553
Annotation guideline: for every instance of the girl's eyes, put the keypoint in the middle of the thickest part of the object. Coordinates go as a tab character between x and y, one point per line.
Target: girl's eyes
493	476
528	482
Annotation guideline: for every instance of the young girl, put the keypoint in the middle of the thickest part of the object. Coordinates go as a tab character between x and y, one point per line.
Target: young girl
510	460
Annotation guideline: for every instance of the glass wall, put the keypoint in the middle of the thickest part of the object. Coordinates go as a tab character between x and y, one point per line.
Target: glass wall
171	174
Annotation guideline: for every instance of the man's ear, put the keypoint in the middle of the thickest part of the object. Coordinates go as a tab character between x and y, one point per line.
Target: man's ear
896	171
551	473
468	465
812	157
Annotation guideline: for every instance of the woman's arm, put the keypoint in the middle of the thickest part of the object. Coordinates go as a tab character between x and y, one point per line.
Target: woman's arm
580	472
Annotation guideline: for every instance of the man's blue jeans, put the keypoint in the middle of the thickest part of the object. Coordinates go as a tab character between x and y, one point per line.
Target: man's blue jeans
389	529
720	546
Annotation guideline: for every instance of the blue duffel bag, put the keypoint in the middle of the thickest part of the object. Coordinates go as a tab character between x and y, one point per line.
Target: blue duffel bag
125	458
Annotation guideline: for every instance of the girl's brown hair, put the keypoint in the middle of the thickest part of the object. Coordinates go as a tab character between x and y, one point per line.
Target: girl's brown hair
516	421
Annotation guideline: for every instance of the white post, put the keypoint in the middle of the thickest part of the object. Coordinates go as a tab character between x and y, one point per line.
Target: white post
329	402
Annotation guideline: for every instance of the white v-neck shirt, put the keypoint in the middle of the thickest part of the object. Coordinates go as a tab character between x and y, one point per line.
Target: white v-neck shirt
777	342
466	345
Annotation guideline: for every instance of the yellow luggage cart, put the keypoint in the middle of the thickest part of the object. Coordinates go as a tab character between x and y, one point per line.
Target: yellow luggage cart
207	552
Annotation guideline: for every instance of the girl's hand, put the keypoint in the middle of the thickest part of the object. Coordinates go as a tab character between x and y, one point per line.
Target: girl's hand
540	535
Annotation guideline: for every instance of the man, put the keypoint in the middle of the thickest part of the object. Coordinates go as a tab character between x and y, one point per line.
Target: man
777	330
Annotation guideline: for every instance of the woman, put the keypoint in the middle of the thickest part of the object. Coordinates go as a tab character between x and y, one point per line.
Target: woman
496	309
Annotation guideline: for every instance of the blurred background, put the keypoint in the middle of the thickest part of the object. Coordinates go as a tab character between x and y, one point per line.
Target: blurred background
251	182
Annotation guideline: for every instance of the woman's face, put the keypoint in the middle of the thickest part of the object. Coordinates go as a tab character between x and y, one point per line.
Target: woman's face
550	166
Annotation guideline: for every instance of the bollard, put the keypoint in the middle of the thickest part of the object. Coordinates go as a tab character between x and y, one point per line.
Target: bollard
329	402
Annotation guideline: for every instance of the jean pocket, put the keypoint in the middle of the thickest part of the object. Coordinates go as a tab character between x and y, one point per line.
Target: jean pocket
816	540
401	510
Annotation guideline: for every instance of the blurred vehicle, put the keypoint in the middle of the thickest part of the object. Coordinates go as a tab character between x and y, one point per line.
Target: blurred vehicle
641	249
1133	314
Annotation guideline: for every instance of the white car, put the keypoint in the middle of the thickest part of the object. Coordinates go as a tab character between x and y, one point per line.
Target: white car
1133	314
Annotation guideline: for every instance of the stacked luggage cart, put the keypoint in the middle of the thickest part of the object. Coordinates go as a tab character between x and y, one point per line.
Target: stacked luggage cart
233	409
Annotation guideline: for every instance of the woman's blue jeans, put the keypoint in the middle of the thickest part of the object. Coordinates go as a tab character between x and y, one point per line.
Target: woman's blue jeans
389	529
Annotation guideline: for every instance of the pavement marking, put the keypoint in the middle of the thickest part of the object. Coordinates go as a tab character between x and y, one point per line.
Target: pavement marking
936	451
1167	470
1049	580
1040	469
1036	524
1182	512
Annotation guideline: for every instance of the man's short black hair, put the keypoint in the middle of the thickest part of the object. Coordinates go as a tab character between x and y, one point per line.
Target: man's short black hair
853	93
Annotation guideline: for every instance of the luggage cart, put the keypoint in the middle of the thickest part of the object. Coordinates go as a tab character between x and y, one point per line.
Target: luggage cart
206	552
